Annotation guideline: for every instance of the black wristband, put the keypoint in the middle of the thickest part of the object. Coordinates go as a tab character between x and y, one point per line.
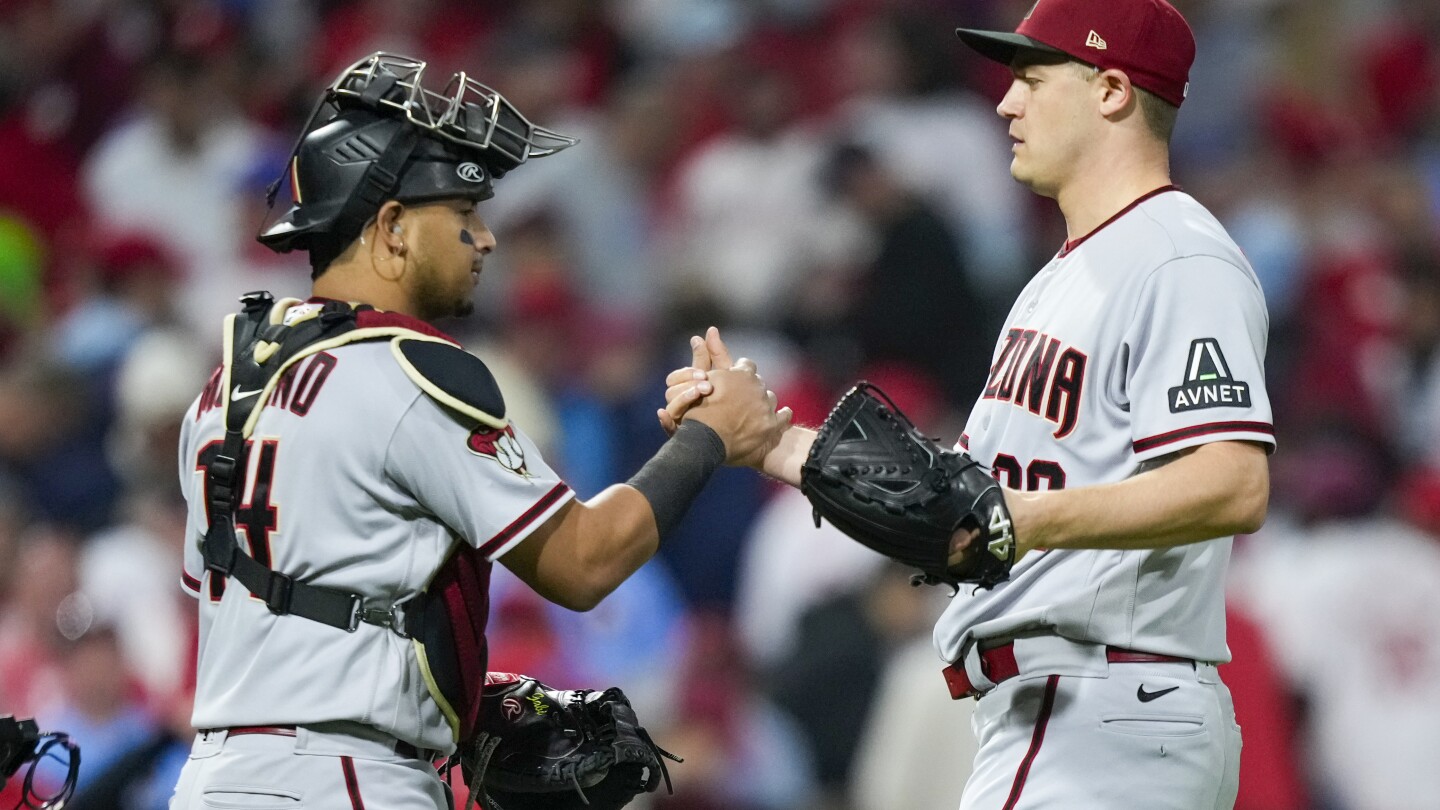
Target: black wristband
677	473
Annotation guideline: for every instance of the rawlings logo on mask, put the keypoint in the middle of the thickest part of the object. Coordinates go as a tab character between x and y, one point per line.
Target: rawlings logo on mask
470	172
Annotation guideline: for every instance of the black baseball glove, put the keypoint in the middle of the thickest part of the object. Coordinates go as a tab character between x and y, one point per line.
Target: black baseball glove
538	747
879	480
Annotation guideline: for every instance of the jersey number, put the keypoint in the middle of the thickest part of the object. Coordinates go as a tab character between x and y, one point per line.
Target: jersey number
257	517
1008	472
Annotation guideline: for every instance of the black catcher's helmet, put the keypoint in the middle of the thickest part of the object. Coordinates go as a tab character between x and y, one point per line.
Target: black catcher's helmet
377	134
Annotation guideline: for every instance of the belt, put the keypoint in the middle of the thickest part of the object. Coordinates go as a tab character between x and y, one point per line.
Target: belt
998	664
402	748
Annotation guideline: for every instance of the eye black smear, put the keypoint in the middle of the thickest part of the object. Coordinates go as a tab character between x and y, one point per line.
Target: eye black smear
467	238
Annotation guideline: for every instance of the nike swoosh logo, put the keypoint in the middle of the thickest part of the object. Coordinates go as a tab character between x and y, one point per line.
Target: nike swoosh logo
240	393
1146	697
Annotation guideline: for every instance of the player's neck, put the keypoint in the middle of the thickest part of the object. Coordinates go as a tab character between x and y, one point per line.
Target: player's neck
1105	188
340	283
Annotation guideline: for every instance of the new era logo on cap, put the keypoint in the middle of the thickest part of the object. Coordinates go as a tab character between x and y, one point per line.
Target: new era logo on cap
1147	39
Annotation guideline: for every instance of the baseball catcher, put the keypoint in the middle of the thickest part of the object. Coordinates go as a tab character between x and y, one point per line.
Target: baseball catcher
874	476
539	747
353	474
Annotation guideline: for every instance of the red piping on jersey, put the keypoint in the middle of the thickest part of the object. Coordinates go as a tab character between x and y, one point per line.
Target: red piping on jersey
1152	442
190	583
965	441
348	765
1046	706
368	318
1075	243
524	520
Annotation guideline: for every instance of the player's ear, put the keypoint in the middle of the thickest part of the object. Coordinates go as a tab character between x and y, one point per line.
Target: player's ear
1115	92
390	229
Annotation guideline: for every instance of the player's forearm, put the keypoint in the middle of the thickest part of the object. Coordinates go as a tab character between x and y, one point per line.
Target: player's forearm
594	547
784	462
1215	490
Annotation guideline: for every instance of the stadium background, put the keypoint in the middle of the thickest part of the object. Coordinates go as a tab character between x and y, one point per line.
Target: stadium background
824	179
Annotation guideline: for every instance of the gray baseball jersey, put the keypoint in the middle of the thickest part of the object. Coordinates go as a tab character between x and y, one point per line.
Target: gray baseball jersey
1144	338
356	480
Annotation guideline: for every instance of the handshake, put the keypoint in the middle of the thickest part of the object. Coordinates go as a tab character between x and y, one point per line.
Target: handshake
730	398
867	470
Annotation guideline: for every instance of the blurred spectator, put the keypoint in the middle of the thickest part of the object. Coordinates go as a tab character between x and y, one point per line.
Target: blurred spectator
30	640
172	170
130	575
741	753
913	303
829	679
939	140
50	442
1233	45
635	639
1418	405
917	748
1361	642
668	28
443	30
751	225
604	202
770	598
154	387
101	709
132	288
1271	777
128	572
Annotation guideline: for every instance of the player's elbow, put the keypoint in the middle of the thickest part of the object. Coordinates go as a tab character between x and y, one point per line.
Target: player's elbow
583	598
1252	512
1250	497
584	586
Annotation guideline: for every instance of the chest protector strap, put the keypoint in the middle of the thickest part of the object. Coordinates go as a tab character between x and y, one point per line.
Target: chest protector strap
446	621
259	347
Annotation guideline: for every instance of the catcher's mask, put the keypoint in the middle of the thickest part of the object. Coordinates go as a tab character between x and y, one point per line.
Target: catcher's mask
377	134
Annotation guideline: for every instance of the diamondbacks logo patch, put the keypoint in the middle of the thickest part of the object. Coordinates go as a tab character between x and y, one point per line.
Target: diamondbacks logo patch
500	446
1208	382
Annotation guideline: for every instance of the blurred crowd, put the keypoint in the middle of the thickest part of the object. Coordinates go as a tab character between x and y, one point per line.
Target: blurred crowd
826	180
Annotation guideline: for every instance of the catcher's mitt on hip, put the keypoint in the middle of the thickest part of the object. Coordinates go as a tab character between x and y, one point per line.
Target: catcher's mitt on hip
874	476
538	747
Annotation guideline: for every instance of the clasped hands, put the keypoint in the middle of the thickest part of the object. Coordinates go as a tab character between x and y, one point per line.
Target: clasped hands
764	438
729	397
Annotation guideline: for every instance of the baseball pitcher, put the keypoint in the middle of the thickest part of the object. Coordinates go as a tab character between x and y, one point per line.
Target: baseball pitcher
1121	440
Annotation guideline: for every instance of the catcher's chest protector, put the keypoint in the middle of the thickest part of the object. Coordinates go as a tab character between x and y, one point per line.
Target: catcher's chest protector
450	636
446	621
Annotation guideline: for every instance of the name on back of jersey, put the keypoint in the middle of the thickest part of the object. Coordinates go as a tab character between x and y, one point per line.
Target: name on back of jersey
1040	374
295	391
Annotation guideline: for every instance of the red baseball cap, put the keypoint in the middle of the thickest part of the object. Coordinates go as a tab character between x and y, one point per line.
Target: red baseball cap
1147	39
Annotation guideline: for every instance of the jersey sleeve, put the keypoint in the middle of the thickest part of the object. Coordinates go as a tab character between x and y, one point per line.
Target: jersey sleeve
193	564
1195	369
489	485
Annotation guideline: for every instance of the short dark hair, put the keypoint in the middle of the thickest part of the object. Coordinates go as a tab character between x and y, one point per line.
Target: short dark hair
1159	114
